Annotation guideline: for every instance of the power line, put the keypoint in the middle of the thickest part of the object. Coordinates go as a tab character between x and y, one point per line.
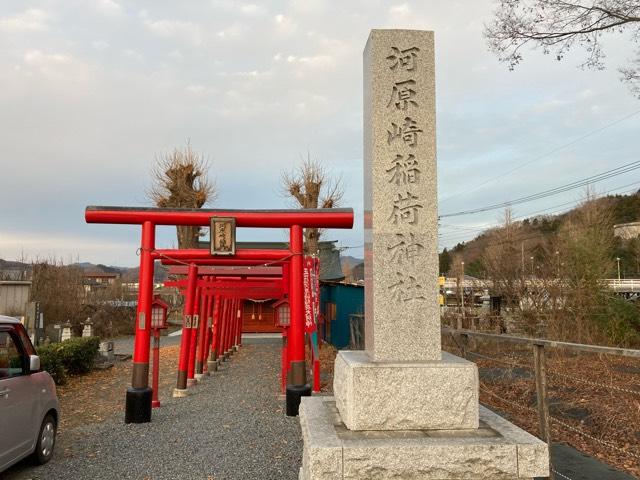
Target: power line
539	157
629	167
451	236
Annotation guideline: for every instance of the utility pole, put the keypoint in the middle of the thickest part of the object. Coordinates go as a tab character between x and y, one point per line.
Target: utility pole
462	292
531	267
618	261
558	262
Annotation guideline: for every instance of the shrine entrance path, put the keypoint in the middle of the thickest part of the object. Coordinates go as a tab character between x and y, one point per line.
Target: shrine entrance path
232	427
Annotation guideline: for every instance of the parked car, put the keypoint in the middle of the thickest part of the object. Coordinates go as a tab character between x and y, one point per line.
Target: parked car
29	408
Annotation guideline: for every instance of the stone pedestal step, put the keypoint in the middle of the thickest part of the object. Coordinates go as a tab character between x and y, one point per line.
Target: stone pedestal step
497	450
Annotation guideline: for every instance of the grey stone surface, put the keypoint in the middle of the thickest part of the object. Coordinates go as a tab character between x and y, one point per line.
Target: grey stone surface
440	394
489	452
403	409
322	455
400	197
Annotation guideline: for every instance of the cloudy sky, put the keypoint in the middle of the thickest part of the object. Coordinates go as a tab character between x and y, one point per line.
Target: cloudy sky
92	91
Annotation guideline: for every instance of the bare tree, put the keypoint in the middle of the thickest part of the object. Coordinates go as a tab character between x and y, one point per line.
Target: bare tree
180	180
60	291
557	26
586	240
311	187
501	260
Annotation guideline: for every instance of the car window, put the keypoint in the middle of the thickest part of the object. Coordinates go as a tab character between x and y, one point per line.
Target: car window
26	342
11	359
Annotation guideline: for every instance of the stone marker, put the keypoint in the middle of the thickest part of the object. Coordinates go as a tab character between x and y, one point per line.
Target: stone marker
105	350
403	408
401	382
400	202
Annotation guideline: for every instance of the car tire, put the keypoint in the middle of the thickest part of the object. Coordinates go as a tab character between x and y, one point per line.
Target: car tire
46	441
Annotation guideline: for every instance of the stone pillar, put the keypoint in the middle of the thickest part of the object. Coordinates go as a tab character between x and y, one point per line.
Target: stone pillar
66	332
402	381
401	212
410	410
87	330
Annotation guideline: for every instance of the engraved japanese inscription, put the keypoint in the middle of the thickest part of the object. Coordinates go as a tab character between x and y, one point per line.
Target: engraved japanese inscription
403	135
223	236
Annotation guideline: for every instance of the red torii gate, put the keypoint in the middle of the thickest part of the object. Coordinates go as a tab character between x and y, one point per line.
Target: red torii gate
138	398
241	285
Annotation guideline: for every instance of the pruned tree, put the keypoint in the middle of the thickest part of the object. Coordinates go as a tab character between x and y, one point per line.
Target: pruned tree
180	180
310	186
557	26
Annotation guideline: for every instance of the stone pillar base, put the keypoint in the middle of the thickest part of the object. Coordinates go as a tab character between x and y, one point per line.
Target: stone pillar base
191	382
495	450
439	394
198	376
212	365
180	393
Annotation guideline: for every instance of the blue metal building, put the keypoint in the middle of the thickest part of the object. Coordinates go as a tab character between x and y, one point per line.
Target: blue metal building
337	302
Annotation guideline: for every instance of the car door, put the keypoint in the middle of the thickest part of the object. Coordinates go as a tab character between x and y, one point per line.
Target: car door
17	399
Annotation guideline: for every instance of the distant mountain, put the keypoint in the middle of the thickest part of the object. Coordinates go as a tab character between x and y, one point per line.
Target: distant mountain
101	267
160	274
534	234
13	265
349	261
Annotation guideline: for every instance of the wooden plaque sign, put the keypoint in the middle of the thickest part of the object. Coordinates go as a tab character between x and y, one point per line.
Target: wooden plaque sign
223	236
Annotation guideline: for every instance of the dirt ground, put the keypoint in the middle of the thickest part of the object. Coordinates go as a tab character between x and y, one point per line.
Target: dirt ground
92	398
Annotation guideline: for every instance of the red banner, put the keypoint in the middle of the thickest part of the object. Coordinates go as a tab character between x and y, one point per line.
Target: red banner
309	298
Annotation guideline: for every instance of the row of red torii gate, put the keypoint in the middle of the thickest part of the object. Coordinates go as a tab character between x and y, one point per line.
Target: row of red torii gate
215	283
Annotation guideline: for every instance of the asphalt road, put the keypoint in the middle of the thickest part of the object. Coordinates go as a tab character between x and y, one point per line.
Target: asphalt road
232	427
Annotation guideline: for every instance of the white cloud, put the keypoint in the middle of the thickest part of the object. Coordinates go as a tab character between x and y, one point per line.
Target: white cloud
176	29
130	53
252	9
100	44
55	66
285	25
233	31
32	19
195	89
400	10
35	245
549	105
40	59
109	7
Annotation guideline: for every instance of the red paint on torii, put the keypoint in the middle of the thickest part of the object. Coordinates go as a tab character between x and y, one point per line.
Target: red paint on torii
138	401
209	345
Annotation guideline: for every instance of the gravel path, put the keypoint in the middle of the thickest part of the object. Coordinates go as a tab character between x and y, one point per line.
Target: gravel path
232	427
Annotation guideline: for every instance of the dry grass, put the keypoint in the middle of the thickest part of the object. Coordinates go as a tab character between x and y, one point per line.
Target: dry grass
597	397
100	394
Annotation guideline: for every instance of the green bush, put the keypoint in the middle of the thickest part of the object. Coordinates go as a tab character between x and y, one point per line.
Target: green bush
50	361
74	356
620	322
78	354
